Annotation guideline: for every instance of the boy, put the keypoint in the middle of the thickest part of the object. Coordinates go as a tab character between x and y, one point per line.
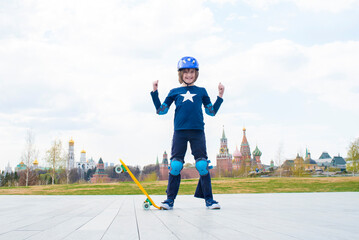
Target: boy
188	126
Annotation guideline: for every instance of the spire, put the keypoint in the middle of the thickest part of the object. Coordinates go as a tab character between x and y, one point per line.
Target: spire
244	140
223	134
307	153
157	161
245	150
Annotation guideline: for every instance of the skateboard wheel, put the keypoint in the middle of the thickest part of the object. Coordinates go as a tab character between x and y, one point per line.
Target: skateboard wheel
118	169
146	205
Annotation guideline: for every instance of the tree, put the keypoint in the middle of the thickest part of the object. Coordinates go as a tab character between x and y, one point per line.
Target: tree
74	175
110	171
55	157
353	156
89	174
10	179
29	155
126	177
28	178
151	169
279	159
45	178
2	178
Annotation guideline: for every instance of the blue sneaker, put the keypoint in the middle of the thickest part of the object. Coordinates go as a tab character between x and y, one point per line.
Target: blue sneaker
212	204
167	204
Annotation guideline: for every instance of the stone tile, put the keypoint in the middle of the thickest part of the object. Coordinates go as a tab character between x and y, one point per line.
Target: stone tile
246	216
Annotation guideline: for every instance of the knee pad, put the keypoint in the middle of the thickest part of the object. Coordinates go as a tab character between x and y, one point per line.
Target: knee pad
202	166
176	167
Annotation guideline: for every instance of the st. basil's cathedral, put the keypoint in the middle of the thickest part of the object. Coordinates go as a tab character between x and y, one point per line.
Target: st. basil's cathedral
241	160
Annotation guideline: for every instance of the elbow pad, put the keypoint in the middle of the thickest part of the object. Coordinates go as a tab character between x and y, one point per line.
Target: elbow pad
163	109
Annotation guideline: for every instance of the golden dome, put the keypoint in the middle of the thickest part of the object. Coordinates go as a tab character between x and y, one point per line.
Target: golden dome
83	151
21	163
35	162
244	129
71	142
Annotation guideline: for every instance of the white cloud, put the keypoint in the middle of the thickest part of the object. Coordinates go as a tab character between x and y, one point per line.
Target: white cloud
261	4
329	5
224	1
308	5
211	46
328	71
234	16
275	29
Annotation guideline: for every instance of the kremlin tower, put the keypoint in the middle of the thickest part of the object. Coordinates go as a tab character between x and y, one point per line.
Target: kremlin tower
164	167
100	176
224	159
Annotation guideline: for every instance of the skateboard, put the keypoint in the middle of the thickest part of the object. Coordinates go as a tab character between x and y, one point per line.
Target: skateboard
148	202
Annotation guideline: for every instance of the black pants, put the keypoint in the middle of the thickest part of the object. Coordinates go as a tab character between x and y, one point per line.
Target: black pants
197	141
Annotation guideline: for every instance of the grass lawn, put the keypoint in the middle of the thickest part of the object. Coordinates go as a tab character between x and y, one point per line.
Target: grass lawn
220	186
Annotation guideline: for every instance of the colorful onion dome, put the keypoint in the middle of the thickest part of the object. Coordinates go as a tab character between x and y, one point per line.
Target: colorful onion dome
237	153
256	152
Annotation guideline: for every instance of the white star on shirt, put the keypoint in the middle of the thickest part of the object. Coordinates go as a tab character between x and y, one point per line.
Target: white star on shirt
188	96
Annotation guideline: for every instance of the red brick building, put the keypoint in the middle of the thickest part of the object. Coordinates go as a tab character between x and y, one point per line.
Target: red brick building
242	159
224	159
100	176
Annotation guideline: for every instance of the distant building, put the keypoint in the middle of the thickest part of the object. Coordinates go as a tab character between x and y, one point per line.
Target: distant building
309	163
288	165
257	158
20	166
324	160
85	164
324	155
100	176
298	163
164	167
243	160
35	164
339	162
224	159
70	164
237	164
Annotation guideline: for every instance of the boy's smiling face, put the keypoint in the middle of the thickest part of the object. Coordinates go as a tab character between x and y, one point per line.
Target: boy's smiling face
189	75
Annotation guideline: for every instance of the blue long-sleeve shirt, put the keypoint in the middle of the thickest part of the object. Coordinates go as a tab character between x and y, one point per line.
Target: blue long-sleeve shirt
188	101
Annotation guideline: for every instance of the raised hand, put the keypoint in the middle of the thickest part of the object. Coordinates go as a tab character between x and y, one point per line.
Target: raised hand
155	85
220	90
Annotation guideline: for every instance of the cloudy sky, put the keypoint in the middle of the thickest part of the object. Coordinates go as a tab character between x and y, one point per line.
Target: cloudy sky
84	69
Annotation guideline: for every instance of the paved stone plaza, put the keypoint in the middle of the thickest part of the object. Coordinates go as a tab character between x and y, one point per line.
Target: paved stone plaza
243	216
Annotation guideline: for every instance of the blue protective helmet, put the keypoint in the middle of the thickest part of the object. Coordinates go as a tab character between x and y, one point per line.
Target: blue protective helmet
187	62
